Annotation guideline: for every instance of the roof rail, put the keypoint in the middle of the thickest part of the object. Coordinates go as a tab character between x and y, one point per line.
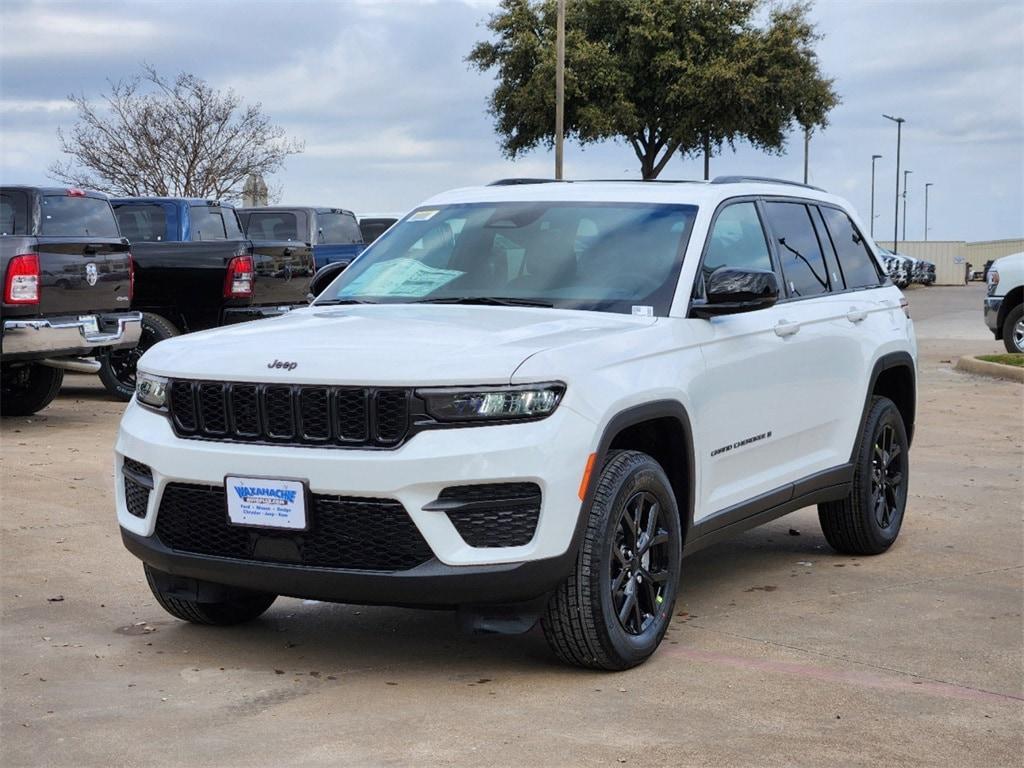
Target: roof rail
514	182
766	179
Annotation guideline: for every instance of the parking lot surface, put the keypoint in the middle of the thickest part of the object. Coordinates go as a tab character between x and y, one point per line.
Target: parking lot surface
781	653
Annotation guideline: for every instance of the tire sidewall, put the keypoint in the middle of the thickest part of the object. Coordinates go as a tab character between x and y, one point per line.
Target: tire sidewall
633	649
1012	317
885	413
159	329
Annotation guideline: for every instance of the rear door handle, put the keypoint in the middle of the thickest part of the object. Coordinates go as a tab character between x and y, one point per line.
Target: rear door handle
785	328
856	315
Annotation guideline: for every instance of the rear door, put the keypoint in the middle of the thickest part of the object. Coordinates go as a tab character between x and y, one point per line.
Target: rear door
83	262
282	256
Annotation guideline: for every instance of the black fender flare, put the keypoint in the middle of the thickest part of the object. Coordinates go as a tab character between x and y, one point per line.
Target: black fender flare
899	359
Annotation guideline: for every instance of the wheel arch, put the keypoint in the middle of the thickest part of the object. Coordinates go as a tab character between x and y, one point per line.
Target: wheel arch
1010	301
894	376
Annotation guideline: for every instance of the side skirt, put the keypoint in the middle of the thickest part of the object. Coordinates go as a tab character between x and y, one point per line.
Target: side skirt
828	485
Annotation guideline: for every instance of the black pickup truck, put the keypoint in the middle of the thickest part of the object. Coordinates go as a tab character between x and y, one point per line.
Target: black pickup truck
66	294
194	270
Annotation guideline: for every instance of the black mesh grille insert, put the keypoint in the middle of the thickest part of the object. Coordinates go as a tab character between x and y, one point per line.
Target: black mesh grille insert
138	480
292	414
346	533
495	514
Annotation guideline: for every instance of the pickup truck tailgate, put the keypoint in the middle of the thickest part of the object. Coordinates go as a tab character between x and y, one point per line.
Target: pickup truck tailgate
284	270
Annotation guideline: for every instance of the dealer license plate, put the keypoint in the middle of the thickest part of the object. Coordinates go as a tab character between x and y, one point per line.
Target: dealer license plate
266	503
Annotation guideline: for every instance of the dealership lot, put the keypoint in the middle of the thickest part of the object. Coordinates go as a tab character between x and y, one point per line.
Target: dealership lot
781	652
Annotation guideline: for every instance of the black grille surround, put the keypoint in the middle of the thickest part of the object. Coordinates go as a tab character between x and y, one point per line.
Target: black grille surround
359	534
138	482
492	514
295	414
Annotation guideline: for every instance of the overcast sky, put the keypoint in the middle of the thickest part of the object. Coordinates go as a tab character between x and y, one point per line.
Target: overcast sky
390	113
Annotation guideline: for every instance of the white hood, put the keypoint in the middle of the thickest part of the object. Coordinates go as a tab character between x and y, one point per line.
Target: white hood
396	344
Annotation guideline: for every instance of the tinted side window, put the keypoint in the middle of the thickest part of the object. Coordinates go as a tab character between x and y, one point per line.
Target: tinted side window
142	223
207	223
338	228
737	240
803	264
855	261
374	228
273	225
13	213
231	224
74	216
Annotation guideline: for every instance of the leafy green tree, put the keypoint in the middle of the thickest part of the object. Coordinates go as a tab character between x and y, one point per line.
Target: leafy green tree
667	76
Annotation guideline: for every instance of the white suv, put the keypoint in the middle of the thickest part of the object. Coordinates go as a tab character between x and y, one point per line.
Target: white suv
531	400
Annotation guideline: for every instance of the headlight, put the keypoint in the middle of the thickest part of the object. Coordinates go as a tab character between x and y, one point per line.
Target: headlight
151	390
530	401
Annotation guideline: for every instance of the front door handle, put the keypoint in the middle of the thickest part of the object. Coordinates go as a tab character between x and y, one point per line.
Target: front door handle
856	315
785	328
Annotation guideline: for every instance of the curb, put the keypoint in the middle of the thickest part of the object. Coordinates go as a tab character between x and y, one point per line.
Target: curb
992	370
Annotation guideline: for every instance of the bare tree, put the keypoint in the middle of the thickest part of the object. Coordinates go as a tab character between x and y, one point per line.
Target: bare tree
179	138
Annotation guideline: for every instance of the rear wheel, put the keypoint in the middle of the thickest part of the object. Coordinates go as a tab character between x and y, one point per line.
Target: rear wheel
237	608
868	521
613	610
1013	329
27	389
117	368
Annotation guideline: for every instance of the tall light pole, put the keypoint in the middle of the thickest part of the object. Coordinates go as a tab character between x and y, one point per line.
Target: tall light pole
905	174
896	216
929	184
873	159
559	87
807	150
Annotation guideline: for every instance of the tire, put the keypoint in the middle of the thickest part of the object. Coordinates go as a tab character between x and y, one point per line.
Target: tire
117	368
1013	329
27	389
246	606
868	521
581	622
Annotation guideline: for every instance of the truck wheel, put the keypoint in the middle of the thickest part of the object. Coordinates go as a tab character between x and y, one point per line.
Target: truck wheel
27	389
246	606
868	521
117	368
613	609
1013	329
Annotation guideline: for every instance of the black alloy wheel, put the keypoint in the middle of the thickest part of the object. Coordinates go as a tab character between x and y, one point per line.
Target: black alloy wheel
640	567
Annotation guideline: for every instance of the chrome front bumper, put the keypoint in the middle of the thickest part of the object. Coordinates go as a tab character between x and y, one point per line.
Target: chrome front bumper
70	335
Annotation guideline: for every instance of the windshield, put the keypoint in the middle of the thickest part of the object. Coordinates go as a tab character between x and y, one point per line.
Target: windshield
611	257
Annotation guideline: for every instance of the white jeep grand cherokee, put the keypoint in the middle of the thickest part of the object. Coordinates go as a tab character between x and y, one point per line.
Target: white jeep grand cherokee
531	400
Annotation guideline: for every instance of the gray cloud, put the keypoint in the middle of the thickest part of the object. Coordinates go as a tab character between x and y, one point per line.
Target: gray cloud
390	113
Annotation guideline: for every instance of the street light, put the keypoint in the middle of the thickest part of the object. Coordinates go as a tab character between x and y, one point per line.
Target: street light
559	87
929	184
896	217
905	174
873	159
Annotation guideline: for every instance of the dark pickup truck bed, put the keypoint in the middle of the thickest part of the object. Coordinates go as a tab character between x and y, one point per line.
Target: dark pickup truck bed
194	270
67	291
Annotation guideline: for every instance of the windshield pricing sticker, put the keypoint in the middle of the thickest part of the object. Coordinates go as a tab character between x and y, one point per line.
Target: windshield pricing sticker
257	501
399	277
425	215
642	310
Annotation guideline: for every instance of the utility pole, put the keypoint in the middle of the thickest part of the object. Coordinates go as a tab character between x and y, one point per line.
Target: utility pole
929	184
873	159
559	88
905	174
807	149
896	216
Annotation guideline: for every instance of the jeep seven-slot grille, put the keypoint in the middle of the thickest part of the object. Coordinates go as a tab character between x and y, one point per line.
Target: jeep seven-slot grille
291	414
346	533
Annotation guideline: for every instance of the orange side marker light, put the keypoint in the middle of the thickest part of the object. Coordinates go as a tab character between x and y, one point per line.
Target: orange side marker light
585	482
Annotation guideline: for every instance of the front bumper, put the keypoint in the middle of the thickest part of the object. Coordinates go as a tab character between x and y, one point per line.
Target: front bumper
551	453
74	335
992	306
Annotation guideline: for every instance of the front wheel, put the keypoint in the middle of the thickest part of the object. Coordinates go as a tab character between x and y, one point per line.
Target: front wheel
27	389
117	368
235	608
1013	329
868	520
614	608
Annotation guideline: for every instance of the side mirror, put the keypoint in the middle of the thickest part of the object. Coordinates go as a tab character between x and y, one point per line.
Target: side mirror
325	276
730	291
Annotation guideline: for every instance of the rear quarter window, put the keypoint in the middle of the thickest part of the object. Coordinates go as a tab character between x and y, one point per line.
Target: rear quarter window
208	223
142	223
855	260
73	216
338	228
272	225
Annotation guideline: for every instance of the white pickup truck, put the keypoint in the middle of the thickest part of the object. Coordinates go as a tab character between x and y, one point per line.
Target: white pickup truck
1004	302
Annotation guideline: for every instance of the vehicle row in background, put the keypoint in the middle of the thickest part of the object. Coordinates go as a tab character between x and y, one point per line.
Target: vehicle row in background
67	291
328	235
904	270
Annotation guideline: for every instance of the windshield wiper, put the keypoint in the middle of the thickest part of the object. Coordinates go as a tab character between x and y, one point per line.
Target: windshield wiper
336	302
498	301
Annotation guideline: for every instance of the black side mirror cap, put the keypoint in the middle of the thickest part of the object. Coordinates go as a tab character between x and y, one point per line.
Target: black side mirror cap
730	291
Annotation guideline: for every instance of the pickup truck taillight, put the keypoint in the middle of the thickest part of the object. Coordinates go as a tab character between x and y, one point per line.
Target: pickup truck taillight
21	285
238	281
